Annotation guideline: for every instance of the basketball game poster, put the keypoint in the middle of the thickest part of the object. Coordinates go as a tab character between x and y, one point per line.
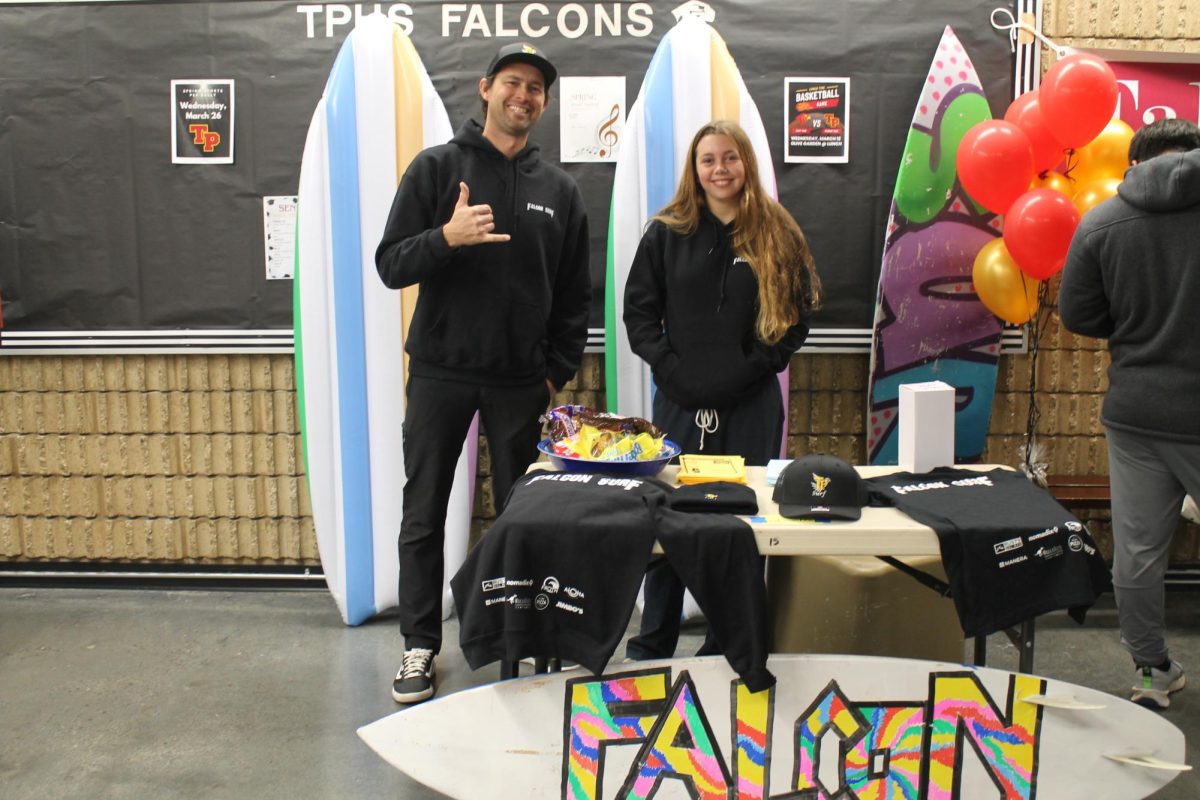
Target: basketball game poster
817	117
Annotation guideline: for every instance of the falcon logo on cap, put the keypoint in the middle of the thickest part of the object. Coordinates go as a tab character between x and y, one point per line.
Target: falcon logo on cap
819	484
525	48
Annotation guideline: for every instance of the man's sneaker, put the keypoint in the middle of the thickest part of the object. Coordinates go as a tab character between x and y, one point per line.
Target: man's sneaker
1152	686
414	681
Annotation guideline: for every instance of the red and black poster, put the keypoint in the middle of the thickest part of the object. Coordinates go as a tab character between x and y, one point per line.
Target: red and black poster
817	115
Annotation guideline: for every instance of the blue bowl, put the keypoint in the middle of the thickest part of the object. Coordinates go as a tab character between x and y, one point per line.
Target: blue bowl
647	468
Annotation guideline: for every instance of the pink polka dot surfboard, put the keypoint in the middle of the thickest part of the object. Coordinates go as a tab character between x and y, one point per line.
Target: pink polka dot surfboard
929	324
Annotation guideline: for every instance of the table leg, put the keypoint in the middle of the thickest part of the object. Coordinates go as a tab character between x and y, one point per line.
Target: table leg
509	669
980	651
1025	646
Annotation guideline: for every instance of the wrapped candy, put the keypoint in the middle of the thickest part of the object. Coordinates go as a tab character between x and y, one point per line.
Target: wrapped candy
582	432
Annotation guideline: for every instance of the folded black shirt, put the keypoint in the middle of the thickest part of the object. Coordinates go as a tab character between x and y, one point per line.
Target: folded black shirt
721	497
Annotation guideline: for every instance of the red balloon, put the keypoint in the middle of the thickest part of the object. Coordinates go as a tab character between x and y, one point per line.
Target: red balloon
1078	97
1038	230
1026	113
995	163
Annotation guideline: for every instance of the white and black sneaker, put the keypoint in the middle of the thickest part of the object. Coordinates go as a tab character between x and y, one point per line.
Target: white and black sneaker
414	681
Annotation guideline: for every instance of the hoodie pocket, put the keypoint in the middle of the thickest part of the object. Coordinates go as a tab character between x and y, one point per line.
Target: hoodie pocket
525	343
710	378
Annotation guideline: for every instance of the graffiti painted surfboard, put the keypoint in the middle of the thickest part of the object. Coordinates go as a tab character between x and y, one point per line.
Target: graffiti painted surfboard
692	79
379	109
929	323
833	726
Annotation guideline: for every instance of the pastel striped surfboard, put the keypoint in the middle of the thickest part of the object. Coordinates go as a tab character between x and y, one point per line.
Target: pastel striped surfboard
833	726
692	79
379	109
929	323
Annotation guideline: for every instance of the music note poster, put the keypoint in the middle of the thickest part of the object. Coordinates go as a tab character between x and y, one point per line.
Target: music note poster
592	119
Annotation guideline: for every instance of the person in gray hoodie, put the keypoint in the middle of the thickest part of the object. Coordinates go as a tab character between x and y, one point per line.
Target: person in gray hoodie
1132	276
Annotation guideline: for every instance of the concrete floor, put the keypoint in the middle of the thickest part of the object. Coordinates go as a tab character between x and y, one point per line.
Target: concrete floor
256	694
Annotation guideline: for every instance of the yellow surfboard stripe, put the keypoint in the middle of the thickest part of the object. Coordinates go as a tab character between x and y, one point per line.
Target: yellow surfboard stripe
726	100
410	140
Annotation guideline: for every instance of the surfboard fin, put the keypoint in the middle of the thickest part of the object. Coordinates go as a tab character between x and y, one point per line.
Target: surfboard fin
1065	701
1146	760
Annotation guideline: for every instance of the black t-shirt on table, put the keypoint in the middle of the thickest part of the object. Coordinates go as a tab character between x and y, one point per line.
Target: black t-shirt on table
1011	552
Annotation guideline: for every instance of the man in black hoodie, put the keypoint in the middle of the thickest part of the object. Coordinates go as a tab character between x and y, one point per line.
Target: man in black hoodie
1133	277
497	239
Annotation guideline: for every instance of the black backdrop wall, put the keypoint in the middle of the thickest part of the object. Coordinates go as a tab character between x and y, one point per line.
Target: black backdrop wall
99	231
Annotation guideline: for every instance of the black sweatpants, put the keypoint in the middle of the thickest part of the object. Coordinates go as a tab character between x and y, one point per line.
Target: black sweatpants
753	430
436	420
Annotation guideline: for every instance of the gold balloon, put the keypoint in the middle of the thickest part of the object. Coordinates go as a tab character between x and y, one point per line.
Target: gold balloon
1090	195
1106	156
1054	181
1007	292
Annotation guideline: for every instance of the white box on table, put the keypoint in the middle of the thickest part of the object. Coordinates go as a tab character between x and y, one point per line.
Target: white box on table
926	419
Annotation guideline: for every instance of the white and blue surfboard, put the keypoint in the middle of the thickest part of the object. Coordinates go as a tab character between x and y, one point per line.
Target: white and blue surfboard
379	110
692	79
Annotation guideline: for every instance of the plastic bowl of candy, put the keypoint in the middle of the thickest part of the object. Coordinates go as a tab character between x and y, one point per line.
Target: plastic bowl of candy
643	468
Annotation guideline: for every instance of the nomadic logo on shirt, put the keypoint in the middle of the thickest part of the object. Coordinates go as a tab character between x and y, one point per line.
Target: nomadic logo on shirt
820	484
547	210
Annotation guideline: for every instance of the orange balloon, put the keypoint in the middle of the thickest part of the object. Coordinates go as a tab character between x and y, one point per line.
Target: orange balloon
1106	156
1002	287
1090	195
1055	181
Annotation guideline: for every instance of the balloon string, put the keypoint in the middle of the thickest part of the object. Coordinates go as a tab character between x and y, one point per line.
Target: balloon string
1038	325
1072	163
1014	27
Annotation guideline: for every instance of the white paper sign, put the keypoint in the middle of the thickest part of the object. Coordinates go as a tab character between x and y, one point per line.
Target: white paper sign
279	236
593	118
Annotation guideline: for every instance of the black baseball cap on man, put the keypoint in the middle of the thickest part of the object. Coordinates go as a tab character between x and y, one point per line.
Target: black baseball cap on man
524	53
820	487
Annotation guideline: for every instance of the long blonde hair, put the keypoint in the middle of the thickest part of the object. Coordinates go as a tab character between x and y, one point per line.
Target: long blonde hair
764	234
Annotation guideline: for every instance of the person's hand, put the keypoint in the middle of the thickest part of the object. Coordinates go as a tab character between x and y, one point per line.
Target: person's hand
471	224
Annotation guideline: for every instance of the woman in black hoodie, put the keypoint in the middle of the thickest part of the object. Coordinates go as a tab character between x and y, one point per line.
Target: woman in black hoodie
717	301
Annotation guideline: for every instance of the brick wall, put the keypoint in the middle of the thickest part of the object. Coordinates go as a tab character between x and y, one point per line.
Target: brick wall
152	458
